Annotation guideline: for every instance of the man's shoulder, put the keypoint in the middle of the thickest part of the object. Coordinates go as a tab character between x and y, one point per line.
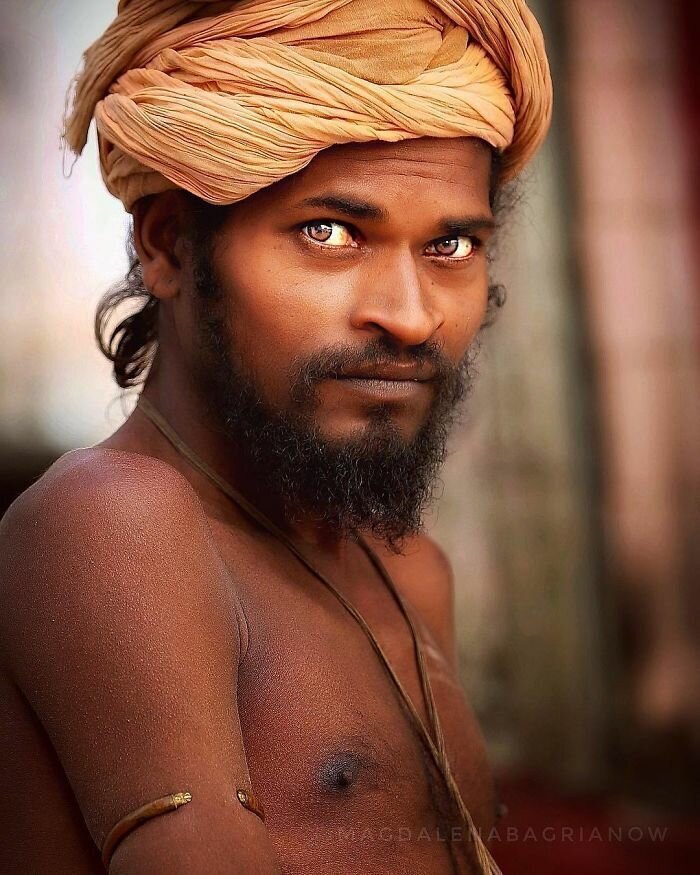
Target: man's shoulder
102	475
99	494
423	573
422	564
103	530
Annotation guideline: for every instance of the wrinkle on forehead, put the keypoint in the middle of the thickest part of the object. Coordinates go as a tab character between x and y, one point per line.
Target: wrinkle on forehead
373	159
429	150
449	160
395	169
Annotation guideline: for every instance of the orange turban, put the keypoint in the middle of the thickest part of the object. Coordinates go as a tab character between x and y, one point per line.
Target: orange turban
225	98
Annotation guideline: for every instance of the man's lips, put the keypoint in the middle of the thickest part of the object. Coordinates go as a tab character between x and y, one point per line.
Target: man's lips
389	383
390	373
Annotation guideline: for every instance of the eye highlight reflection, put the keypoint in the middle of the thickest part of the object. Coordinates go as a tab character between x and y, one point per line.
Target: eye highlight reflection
455	247
329	233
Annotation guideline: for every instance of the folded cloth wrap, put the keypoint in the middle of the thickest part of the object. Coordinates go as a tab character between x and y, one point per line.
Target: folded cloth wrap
225	98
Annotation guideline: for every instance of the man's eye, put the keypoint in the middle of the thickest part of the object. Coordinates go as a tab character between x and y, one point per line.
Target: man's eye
454	247
328	233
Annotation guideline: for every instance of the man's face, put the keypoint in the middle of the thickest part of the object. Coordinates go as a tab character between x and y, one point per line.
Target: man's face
342	303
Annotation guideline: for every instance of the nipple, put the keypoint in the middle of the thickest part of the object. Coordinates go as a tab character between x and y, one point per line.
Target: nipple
340	772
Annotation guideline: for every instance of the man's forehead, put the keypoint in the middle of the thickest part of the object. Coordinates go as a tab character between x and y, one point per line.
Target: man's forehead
462	163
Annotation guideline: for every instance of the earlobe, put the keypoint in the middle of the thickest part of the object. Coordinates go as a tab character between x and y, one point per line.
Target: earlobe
158	224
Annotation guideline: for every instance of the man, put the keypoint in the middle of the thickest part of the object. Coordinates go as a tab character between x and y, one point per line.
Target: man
227	645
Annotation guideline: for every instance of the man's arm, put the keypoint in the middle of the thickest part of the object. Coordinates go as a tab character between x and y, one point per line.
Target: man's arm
117	623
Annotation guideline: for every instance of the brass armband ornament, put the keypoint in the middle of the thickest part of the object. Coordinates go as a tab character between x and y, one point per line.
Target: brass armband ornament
163	805
140	815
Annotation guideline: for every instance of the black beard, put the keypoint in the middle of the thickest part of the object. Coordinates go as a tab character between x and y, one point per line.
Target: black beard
378	483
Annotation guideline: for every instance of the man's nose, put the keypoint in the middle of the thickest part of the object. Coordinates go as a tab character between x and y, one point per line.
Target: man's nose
395	300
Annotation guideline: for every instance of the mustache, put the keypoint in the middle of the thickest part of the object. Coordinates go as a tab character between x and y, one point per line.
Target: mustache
334	362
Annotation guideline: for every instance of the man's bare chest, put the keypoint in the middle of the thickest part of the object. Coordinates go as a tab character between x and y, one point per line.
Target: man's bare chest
330	748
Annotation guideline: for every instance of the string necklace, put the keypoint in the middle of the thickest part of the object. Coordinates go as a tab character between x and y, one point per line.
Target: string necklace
435	743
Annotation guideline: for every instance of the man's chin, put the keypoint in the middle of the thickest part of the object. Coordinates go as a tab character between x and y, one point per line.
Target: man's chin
377	482
380	427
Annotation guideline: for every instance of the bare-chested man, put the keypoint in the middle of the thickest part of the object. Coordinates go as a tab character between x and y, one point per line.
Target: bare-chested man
309	339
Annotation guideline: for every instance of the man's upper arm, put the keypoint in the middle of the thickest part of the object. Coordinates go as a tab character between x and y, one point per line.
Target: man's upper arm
120	630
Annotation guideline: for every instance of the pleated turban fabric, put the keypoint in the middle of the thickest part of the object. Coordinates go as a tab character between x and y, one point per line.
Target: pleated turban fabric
225	98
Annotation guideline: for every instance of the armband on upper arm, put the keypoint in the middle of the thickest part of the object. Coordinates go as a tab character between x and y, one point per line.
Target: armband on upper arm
164	805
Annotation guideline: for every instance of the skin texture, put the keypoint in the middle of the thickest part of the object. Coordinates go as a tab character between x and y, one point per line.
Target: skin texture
154	640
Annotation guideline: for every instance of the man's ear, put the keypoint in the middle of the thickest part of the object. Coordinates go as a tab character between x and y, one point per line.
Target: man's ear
159	224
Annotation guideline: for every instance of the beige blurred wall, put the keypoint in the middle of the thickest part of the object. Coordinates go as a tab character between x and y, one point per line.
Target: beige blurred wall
62	238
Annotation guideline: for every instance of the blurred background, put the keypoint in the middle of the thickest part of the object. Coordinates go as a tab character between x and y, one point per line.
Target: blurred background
571	499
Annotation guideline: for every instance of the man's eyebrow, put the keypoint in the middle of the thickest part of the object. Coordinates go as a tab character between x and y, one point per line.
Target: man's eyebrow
467	225
346	205
357	209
